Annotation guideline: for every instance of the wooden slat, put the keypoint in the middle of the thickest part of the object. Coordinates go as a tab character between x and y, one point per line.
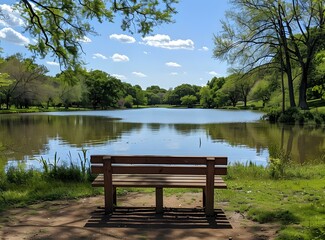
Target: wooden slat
159	170
97	169
151	182
152	159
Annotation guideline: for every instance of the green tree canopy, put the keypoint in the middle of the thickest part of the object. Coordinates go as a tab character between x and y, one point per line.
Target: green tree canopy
58	26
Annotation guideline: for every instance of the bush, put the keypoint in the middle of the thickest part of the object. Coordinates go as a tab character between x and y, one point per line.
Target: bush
19	175
3	180
291	115
272	116
64	173
294	115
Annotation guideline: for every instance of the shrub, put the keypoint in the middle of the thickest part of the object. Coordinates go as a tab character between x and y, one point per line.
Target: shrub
19	175
64	173
291	115
272	116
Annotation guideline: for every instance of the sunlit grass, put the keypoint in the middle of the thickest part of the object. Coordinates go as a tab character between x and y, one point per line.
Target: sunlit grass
295	200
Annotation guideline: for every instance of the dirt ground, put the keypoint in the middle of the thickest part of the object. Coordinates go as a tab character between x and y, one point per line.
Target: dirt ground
85	219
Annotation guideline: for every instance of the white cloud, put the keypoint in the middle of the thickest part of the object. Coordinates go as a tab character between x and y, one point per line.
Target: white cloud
204	48
9	17
213	73
99	55
139	74
164	41
10	35
122	38
172	64
120	58
52	63
174	73
119	76
85	40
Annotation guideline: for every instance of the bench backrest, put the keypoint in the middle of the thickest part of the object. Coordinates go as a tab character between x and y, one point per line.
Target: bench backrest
149	164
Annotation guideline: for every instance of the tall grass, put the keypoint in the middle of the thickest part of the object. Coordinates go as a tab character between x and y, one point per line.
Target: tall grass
20	185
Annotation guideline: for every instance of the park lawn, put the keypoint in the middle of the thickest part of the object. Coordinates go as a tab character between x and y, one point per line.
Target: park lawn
294	200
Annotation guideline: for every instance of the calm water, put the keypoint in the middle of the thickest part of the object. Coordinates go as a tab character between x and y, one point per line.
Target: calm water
239	135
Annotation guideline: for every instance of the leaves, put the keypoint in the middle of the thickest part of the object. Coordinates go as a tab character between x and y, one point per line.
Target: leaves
59	25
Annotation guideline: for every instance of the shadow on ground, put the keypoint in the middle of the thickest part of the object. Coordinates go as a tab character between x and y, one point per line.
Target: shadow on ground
172	218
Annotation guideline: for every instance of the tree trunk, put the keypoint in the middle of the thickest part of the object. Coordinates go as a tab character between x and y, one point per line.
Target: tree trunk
290	79
302	90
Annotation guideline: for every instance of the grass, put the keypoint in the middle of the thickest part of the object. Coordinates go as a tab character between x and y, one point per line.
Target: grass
35	109
295	199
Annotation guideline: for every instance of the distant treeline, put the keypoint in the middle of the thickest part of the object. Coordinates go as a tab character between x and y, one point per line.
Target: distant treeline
23	84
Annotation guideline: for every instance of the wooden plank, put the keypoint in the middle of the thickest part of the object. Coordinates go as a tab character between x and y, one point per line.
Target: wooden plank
108	187
153	159
168	185
159	170
159	200
157	176
97	169
143	182
209	189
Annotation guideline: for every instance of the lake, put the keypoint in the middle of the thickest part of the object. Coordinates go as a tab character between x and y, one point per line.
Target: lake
239	135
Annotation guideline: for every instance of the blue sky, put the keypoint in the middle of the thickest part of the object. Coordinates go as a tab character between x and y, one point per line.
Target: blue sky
172	55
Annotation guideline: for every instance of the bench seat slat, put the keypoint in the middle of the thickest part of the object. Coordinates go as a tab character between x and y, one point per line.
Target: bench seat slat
160	181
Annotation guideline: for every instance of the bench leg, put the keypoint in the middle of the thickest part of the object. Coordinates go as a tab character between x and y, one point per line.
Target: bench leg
209	202
203	197
114	196
109	206
159	200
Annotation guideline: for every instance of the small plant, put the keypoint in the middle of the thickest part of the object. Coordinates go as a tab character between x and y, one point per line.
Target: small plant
83	162
45	165
67	172
278	162
19	174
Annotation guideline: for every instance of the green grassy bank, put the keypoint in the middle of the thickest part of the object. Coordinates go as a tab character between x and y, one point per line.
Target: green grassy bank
294	197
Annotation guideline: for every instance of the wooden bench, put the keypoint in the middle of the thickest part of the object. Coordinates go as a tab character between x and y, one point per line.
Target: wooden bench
159	172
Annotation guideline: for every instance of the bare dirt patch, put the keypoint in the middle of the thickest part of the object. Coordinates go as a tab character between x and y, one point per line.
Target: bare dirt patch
85	219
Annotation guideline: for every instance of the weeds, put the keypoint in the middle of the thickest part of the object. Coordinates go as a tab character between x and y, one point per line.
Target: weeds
66	172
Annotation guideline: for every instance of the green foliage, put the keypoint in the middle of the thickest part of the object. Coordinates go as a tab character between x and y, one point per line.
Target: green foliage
103	90
294	201
58	30
189	100
294	115
128	101
285	217
18	175
278	162
72	172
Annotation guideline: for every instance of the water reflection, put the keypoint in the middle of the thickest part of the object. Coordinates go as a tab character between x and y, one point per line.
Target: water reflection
24	137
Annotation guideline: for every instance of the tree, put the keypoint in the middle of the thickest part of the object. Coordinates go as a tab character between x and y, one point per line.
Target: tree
103	89
206	99
183	90
26	80
171	97
231	90
155	95
261	91
265	31
189	100
128	101
58	26
140	98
